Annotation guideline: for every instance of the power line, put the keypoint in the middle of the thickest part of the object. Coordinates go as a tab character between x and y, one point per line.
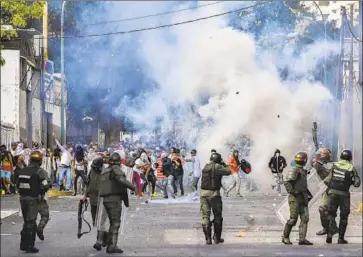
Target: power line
350	29
153	15
163	26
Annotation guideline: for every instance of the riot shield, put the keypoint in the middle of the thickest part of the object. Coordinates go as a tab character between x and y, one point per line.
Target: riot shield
316	188
102	221
128	172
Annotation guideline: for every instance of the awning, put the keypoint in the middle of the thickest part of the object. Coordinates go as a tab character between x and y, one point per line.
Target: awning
29	62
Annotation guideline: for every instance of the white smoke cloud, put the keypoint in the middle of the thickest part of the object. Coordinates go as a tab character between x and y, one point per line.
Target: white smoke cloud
208	58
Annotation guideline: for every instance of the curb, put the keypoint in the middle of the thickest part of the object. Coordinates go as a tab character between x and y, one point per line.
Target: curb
55	193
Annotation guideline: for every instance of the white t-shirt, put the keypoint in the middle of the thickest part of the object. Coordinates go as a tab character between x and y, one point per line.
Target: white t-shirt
196	167
138	162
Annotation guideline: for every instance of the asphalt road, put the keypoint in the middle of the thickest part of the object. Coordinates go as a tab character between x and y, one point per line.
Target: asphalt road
173	228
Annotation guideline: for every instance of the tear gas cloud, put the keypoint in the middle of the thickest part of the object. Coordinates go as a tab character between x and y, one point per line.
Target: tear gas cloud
212	61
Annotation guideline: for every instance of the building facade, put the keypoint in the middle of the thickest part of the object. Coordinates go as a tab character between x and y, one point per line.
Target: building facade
26	86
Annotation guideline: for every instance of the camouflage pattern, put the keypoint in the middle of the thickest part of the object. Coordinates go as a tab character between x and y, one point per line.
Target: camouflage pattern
210	201
43	208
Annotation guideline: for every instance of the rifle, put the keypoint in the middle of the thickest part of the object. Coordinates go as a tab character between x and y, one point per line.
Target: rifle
315	135
81	211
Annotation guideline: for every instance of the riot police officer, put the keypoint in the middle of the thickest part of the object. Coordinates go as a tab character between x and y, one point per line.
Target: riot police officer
342	175
32	182
297	187
92	192
210	197
322	166
113	190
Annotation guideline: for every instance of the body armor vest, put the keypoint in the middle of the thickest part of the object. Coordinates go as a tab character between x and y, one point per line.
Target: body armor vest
108	185
28	182
209	179
341	179
301	184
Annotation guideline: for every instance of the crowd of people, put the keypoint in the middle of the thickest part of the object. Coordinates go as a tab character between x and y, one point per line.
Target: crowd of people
31	172
169	170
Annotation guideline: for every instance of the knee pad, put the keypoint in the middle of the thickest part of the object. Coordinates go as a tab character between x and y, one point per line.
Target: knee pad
205	222
292	222
323	210
304	219
344	214
343	221
117	226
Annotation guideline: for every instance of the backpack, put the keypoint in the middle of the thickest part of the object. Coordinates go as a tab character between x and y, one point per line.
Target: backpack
245	166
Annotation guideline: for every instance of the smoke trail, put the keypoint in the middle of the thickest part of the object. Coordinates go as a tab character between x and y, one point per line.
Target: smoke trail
213	79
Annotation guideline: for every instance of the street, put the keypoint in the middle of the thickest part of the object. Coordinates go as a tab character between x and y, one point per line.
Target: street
173	228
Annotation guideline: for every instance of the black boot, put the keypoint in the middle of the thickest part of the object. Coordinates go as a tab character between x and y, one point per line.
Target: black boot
207	229
329	234
217	233
106	239
286	234
112	247
342	229
61	188
30	242
303	228
98	244
23	243
325	223
40	234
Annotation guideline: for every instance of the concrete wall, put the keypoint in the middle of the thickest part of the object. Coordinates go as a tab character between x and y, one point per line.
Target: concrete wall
10	90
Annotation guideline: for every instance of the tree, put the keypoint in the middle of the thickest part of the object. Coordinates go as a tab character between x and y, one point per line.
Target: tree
17	14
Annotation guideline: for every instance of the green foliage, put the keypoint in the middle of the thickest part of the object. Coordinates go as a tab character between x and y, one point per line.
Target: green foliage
18	14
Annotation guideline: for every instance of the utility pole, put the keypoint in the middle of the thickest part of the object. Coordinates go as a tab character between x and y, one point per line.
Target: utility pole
360	49
62	74
350	89
338	90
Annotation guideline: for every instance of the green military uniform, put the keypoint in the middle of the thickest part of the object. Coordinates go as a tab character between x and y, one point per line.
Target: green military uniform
297	187
113	190
43	208
210	199
93	192
31	182
323	169
342	176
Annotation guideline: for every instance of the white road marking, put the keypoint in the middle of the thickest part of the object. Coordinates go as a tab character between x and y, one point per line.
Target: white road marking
8	213
5	234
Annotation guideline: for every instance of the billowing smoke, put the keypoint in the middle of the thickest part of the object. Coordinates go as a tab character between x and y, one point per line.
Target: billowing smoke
213	79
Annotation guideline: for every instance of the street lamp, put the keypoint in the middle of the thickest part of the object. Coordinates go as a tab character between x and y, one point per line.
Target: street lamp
62	74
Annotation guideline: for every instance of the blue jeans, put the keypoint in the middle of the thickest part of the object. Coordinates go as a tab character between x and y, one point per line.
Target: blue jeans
65	172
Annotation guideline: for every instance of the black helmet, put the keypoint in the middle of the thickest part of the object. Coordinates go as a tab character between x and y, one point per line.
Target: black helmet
97	163
216	157
346	155
213	151
79	148
115	159
301	158
36	157
277	151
